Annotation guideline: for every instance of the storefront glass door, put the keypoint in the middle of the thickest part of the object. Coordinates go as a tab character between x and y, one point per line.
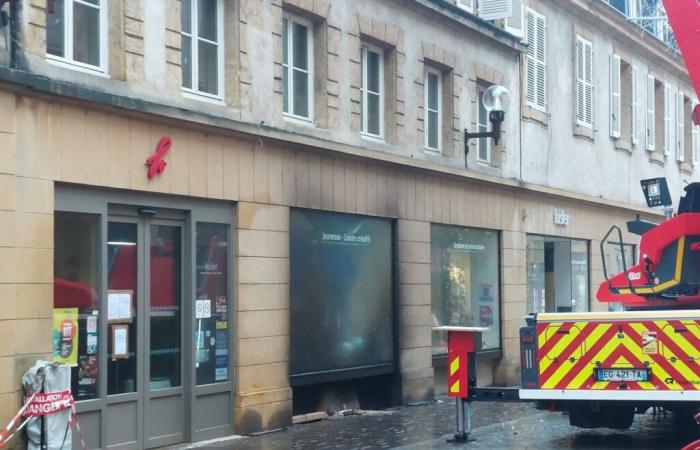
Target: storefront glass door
145	285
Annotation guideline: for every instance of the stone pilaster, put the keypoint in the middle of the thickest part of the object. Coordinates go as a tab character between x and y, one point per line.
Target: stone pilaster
415	311
263	396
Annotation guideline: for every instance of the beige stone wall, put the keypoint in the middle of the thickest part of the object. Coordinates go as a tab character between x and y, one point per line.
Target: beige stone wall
43	142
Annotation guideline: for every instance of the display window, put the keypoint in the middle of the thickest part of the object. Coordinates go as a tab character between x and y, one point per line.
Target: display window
341	292
557	274
464	282
76	302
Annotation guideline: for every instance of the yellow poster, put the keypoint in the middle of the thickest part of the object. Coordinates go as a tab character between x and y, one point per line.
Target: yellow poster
65	336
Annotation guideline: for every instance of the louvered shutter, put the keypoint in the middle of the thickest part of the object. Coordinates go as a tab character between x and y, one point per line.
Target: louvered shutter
535	62
668	105
514	23
584	82
635	105
495	9
695	138
615	108
651	114
680	127
467	5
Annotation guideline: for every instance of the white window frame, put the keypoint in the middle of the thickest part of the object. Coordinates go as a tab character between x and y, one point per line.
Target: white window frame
480	92
364	91
583	83
67	60
289	67
432	70
194	91
467	5
669	122
615	96
680	126
650	113
531	58
635	105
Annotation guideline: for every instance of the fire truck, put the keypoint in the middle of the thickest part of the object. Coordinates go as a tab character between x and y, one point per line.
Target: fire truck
605	367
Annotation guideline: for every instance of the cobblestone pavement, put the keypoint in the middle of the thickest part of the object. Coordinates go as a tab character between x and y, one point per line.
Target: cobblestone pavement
496	426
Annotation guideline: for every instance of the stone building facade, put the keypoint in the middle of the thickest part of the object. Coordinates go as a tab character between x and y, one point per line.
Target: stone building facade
244	161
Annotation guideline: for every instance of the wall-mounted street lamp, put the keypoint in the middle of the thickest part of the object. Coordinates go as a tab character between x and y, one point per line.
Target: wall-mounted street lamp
495	101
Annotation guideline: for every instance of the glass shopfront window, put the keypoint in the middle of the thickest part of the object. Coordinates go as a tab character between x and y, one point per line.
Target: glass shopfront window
76	303
341	292
211	333
557	274
465	282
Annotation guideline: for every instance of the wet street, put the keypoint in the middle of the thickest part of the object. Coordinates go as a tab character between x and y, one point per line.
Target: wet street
496	426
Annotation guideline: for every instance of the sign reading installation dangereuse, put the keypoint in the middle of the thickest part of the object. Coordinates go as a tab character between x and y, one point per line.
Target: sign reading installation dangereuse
341	292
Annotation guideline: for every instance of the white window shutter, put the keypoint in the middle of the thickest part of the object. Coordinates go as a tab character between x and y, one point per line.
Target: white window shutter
589	82
680	127
580	110
514	23
535	62
634	105
584	82
651	114
695	138
467	5
495	9
668	123
615	108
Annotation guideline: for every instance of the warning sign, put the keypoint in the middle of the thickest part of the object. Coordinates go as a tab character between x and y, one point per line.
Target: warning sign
650	344
48	403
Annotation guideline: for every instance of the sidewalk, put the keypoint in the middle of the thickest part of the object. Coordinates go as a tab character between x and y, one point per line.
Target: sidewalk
496	426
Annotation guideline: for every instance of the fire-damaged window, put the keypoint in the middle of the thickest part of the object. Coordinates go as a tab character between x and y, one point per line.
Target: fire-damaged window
557	274
465	282
341	312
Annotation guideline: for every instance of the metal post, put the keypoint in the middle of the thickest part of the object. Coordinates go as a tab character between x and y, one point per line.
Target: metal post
469	417
461	435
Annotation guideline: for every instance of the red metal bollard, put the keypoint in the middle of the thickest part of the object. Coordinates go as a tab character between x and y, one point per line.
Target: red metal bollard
460	344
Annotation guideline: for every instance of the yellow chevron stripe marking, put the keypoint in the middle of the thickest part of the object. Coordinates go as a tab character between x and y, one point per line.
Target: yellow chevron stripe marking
658	371
693	327
454	366
584	374
547	334
680	363
455	387
567	365
546	360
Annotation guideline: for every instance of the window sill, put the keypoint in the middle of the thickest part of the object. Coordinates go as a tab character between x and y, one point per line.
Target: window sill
535	115
202	97
299	120
623	146
657	158
432	151
584	133
74	65
372	137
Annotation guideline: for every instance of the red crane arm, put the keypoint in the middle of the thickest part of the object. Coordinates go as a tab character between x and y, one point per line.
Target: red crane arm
684	18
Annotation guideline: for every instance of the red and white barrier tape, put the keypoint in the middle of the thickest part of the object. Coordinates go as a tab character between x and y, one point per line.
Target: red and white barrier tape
42	404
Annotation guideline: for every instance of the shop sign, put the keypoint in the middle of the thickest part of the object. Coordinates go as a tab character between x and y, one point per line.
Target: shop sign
561	217
156	164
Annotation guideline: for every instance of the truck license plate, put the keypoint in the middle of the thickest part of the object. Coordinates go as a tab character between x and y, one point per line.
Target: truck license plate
602	374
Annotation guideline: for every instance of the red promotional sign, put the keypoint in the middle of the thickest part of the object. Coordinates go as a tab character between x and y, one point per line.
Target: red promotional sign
156	164
45	403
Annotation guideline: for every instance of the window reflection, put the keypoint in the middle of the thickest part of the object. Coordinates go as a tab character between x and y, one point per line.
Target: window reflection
464	282
76	302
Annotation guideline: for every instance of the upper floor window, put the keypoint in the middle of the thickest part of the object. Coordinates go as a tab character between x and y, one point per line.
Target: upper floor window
372	91
535	62
202	47
76	33
484	153
467	5
297	68
433	109
584	82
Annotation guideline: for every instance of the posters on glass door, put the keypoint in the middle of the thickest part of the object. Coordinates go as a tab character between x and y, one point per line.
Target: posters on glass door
65	336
